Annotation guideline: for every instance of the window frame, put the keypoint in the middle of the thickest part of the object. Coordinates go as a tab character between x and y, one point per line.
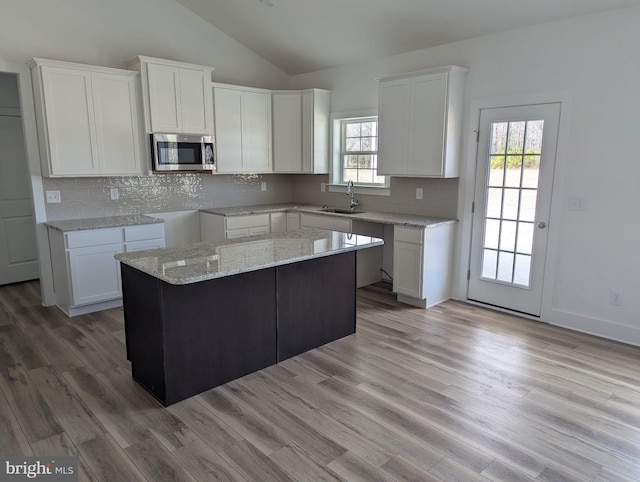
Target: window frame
336	181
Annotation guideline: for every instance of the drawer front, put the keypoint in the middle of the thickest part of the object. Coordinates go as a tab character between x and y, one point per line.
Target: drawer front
237	233
408	235
250	221
145	231
93	237
144	244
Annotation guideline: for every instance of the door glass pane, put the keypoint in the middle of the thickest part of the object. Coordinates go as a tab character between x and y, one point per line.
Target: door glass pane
512	183
489	264
505	266
522	271
525	238
508	236
491	233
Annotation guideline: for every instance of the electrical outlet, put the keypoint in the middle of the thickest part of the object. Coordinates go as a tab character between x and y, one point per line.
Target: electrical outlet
419	193
263	186
53	196
323	187
576	204
115	195
616	298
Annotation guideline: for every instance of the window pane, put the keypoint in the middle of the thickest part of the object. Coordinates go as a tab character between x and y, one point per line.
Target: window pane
508	236
505	266
494	203
496	173
515	143
499	138
367	129
365	176
351	161
353	129
364	162
533	143
531	173
350	175
489	264
525	238
522	271
491	233
513	175
528	205
510	207
353	144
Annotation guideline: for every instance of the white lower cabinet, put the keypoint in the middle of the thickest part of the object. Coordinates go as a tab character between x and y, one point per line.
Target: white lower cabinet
85	274
422	264
216	227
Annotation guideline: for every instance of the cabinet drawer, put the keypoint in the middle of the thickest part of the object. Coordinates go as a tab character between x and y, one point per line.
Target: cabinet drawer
408	235
146	231
144	244
251	221
93	237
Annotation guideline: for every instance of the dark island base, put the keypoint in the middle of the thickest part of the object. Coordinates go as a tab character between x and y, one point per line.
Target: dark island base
185	339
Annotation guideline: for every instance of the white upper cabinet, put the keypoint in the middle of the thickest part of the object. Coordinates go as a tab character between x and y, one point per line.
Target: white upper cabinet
242	129
420	118
88	119
176	96
301	131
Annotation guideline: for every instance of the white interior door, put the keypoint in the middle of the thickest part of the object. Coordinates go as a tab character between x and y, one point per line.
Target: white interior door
516	162
18	253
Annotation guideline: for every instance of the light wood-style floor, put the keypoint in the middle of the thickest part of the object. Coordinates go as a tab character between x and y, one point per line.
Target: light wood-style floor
455	392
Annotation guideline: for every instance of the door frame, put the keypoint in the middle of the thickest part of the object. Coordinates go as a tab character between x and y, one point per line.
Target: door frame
559	196
27	108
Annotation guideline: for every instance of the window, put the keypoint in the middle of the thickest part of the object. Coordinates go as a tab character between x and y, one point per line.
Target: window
359	151
355	154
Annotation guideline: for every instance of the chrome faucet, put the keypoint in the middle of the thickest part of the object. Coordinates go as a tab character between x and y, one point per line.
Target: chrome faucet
351	192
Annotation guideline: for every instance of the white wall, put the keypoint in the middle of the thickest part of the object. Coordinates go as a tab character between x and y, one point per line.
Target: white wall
108	32
593	61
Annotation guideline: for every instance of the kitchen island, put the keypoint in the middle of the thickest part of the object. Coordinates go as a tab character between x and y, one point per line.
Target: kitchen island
200	315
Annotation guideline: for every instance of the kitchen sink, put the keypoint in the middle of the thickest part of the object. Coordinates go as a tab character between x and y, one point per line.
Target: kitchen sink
342	211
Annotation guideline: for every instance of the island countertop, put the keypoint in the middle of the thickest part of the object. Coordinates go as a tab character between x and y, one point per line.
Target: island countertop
197	262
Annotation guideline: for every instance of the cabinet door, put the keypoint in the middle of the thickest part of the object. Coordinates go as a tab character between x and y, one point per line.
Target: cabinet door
116	111
393	126
228	122
95	274
428	102
164	98
407	269
195	101
256	132
70	121
287	133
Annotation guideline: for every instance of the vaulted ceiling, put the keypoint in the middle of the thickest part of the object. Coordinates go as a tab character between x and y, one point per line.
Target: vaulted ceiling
301	36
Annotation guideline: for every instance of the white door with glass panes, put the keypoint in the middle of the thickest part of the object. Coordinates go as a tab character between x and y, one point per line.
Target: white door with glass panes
514	178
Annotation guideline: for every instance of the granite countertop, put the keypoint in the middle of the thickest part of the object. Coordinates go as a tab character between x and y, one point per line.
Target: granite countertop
192	263
412	220
106	222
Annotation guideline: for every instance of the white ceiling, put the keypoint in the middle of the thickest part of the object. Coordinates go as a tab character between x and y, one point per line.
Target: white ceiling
301	36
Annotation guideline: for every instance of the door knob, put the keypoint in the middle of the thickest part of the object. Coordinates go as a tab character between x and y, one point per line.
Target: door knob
542	225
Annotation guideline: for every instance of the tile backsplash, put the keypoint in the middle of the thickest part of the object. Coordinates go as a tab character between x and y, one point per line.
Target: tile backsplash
90	197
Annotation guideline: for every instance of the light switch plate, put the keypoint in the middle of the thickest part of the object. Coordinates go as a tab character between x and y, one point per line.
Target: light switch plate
419	193
115	195
263	186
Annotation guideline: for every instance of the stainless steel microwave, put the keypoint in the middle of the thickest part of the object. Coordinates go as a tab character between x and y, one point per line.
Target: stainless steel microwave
182	152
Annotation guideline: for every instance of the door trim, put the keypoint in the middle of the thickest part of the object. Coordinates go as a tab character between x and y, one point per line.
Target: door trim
467	193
